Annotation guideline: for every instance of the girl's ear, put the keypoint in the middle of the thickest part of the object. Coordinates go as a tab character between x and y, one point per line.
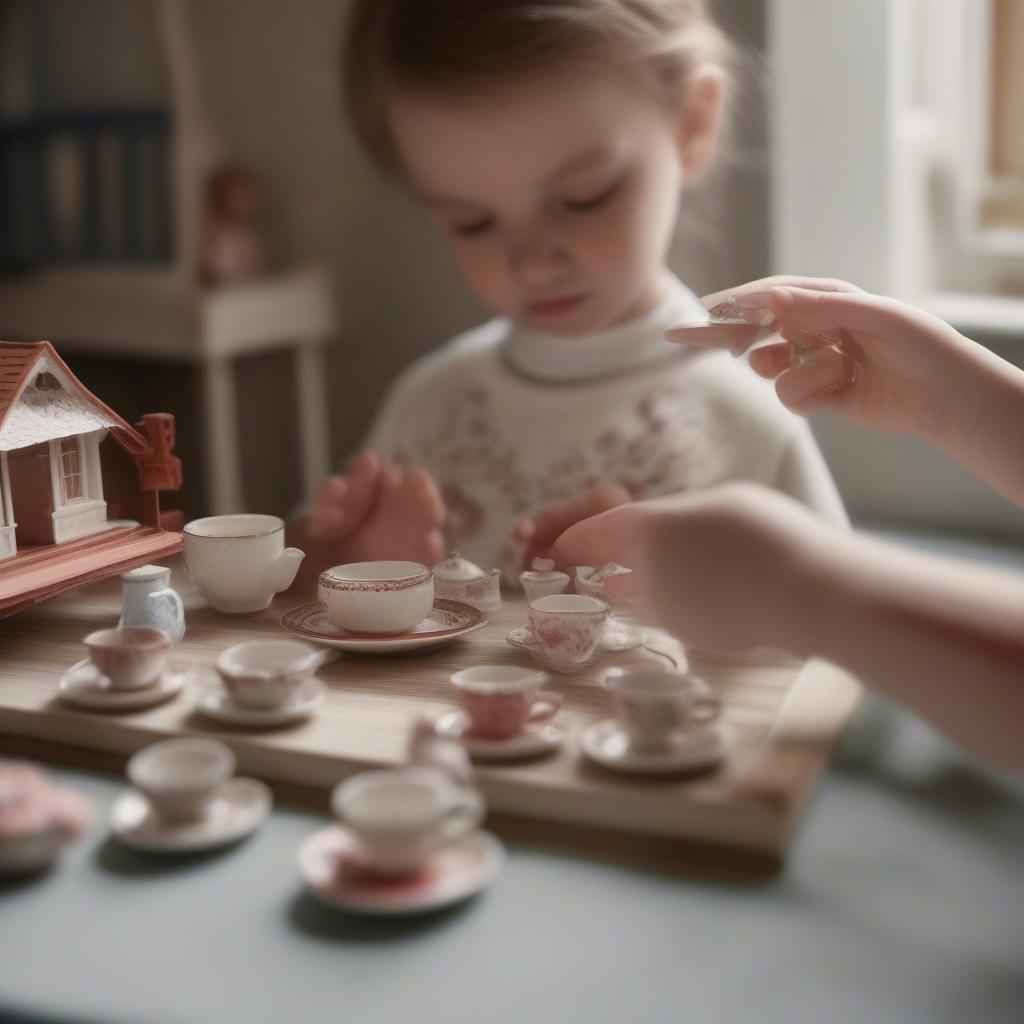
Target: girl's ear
700	125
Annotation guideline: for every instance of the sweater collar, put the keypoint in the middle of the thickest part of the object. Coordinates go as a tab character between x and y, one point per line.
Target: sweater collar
638	342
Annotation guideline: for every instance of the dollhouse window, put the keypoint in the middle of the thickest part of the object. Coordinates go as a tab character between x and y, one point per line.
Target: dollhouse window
70	470
46	382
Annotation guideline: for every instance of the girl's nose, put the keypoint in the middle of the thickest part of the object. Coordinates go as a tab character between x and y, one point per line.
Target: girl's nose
540	262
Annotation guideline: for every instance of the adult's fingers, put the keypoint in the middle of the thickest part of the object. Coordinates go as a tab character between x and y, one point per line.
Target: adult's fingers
818	383
737	338
751	291
771	360
829	312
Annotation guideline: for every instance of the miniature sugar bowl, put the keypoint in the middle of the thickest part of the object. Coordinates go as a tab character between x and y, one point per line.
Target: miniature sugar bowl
37	819
543	580
458	579
149	600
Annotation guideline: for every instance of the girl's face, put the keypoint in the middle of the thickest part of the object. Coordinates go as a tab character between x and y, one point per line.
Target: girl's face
558	196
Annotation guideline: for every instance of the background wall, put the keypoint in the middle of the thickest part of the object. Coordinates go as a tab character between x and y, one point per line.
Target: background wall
270	74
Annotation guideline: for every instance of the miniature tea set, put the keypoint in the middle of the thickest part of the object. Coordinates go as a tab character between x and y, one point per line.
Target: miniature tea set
407	839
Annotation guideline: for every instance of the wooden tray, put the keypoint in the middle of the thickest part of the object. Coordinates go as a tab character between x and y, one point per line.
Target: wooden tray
784	718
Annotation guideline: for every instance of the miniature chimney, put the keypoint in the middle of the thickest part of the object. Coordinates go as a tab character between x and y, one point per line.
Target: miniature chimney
159	470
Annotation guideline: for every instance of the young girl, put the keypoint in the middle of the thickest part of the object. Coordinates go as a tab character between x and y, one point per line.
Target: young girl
551	143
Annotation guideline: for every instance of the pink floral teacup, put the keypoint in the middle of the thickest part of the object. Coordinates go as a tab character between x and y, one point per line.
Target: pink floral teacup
568	627
499	700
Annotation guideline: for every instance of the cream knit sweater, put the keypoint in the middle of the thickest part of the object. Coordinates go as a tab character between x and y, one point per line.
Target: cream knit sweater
510	421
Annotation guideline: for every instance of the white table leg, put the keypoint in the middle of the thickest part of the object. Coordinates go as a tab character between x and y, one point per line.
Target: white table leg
223	468
314	433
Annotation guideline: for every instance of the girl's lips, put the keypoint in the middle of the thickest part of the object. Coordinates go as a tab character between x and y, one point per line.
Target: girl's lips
555	307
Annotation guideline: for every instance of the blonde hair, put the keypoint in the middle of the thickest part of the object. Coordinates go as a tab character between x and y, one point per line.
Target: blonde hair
457	47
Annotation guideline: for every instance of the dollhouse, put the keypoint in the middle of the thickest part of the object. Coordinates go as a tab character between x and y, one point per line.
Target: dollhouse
79	487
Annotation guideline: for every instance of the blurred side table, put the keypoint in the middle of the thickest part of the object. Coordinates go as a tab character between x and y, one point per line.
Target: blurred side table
157	316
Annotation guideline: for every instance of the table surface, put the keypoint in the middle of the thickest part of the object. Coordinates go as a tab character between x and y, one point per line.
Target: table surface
902	900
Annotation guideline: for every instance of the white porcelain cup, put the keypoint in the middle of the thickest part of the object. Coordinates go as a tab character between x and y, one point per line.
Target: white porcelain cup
568	626
240	561
377	597
655	708
400	817
131	657
180	777
265	674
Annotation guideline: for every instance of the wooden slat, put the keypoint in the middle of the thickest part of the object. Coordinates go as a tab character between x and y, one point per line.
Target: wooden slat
784	719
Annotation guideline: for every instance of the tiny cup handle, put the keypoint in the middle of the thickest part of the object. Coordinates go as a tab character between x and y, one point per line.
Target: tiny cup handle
546	705
705	709
462	817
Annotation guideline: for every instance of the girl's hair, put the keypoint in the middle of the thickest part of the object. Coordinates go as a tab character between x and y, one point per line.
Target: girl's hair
458	47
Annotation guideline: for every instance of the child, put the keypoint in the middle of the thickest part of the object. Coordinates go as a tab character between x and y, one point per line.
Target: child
550	142
738	566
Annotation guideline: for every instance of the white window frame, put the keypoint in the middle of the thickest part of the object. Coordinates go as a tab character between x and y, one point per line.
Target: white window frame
863	94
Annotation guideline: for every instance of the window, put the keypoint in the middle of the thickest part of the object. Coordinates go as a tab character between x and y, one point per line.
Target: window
47	382
70	470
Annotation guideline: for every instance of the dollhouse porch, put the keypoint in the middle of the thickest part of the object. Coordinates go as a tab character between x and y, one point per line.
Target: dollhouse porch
28	575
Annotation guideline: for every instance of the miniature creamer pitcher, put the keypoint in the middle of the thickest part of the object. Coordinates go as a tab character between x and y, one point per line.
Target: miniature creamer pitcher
149	600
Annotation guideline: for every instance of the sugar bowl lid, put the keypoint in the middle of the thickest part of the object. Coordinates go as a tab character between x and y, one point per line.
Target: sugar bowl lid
456	569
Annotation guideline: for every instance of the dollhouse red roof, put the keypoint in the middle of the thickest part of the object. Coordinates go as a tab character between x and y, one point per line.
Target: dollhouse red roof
17	363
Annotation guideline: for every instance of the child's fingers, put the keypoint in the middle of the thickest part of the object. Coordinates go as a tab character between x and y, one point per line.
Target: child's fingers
818	382
423	490
430	548
365	464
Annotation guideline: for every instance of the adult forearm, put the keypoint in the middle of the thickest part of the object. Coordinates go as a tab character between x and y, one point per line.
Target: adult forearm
986	435
945	639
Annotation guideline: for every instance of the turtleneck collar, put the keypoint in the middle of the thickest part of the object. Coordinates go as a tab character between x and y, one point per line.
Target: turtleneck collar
553	357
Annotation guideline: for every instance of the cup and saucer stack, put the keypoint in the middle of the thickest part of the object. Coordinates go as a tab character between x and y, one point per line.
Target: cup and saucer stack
128	669
409	843
185	799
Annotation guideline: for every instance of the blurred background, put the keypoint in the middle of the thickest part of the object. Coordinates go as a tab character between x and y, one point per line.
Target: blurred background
185	215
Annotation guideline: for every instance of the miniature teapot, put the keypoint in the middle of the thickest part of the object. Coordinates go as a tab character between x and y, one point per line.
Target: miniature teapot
149	600
542	579
458	579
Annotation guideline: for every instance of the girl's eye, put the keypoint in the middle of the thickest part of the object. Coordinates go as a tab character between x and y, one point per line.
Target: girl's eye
591	202
473	228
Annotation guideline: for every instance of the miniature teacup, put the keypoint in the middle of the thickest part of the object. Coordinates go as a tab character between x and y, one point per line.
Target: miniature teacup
377	597
500	699
264	674
131	657
656	707
240	561
568	626
180	777
398	818
543	580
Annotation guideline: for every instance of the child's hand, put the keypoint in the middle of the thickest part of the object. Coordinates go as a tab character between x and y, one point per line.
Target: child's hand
342	502
539	532
404	522
880	363
729	567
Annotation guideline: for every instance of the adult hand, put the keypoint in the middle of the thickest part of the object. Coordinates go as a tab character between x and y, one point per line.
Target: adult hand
729	567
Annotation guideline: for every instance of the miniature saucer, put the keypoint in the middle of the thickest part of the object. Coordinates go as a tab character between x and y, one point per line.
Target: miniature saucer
621	636
607	743
83	684
535	740
216	703
238	809
522	637
452	874
447	621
